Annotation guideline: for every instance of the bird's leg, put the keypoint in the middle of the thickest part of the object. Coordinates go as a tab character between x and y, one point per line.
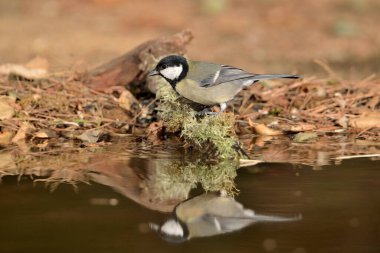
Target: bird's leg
223	107
206	111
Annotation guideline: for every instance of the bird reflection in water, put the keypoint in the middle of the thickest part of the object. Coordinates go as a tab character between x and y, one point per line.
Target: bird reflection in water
210	214
163	185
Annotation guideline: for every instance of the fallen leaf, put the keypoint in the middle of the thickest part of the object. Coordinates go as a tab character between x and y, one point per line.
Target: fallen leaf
35	69
127	100
365	122
43	145
300	127
7	163
22	132
38	63
262	140
264	130
6	138
6	110
45	134
91	136
343	121
23	147
155	132
373	102
305	136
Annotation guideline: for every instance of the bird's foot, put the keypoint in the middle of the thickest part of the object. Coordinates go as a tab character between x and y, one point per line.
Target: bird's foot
206	112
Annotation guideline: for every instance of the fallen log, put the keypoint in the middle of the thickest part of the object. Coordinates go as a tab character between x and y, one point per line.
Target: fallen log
131	68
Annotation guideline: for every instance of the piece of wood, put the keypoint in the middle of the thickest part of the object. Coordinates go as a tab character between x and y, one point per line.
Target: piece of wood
131	68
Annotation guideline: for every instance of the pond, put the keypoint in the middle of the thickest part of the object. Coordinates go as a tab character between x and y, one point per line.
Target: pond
112	201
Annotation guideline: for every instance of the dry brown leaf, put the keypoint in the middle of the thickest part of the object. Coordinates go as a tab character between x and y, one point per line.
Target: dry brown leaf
264	130
300	127
45	134
7	163
368	119
6	138
343	121
91	136
127	100
365	122
38	63
262	140
6	109
155	131
22	132
250	123
22	71
372	103
43	145
35	69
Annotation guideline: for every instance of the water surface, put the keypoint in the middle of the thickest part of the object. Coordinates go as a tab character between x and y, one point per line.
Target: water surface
107	204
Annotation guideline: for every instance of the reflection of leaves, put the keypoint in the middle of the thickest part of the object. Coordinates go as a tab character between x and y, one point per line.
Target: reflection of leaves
306	136
7	165
56	168
264	130
65	176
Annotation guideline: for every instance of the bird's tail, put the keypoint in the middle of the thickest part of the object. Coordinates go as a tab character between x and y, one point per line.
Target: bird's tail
267	218
261	77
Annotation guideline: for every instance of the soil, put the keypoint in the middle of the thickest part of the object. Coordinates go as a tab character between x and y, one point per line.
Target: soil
259	36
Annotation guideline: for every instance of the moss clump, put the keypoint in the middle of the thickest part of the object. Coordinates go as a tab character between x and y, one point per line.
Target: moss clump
202	132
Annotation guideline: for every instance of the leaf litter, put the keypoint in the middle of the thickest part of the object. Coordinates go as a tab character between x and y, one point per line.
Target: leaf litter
55	112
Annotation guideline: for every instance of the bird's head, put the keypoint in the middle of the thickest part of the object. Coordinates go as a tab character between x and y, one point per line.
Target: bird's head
172	231
173	68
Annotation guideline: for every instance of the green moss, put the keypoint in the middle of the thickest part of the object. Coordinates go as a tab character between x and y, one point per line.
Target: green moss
205	133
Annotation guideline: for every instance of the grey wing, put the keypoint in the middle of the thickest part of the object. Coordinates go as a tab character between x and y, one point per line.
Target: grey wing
227	224
225	74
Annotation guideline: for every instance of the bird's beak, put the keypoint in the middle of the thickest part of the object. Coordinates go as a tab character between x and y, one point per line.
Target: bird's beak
154	227
153	73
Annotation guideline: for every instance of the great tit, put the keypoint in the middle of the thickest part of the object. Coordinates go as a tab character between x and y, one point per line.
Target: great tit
206	83
210	214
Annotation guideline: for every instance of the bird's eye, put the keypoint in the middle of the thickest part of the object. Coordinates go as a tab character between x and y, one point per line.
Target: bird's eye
164	66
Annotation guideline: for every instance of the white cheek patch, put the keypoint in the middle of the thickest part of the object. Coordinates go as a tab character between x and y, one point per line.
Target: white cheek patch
172	73
171	227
